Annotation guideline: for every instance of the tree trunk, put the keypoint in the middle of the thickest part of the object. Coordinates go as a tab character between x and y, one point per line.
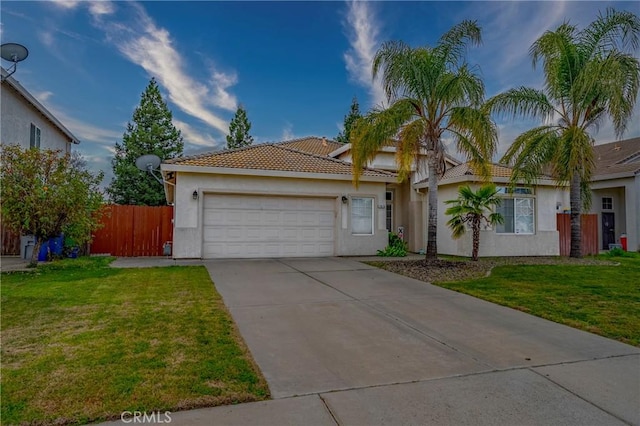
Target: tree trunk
575	201
476	240
432	221
34	255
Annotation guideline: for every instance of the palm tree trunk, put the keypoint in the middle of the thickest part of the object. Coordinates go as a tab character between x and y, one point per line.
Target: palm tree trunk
476	240
575	201
432	221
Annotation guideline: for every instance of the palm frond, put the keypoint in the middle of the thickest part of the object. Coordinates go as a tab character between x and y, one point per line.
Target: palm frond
613	30
524	102
373	130
531	152
453	44
476	136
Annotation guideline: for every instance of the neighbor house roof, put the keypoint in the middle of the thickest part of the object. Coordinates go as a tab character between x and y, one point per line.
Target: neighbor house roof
313	145
17	87
274	157
620	158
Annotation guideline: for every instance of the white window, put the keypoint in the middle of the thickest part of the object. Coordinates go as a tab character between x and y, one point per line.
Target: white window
34	136
361	216
518	214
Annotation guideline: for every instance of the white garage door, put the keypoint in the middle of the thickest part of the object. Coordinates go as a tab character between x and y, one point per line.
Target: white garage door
247	226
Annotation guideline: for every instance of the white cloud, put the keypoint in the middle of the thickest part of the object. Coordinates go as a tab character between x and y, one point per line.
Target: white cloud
152	48
82	130
66	4
287	132
363	34
193	137
46	38
101	7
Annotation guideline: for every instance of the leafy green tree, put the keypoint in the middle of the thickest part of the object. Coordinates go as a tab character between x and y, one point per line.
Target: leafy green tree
432	92
588	77
45	194
150	132
471	208
239	127
349	120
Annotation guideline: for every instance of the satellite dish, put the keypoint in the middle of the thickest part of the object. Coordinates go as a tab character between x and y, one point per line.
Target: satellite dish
13	52
148	162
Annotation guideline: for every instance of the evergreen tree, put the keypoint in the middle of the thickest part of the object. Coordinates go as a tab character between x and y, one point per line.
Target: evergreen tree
239	130
150	132
349	119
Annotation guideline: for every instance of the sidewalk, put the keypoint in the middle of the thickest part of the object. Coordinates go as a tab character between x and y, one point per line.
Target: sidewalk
12	264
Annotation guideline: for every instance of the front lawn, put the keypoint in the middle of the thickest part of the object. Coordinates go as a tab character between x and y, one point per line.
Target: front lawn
84	342
600	295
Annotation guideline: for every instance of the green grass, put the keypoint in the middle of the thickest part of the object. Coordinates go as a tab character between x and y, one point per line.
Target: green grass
84	342
600	299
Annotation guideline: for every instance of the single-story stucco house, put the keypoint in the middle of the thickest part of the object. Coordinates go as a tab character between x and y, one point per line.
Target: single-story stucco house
296	198
616	193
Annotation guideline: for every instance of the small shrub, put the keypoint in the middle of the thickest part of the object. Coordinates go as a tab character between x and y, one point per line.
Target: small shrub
396	248
618	252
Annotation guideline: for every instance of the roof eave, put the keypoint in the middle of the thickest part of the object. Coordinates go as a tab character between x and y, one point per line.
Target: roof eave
271	173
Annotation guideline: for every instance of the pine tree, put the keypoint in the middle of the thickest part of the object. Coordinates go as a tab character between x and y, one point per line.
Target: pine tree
150	132
239	130
349	119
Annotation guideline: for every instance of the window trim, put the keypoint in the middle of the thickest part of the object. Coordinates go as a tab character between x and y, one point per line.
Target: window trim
372	204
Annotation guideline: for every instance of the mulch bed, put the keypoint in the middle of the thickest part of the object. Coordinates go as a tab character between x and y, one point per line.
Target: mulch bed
463	269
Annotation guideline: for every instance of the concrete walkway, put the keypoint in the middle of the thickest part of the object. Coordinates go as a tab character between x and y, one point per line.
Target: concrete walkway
342	343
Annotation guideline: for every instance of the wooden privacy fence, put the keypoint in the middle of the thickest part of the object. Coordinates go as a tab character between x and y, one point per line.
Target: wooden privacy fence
589	229
131	231
10	242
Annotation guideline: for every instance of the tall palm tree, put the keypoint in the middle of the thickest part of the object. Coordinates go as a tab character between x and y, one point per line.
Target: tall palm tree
588	77
432	92
472	208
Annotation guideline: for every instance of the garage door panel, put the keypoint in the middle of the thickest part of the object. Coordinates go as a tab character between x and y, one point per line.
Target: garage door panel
262	226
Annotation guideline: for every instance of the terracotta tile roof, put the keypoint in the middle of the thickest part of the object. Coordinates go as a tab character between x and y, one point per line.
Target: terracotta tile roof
497	170
617	157
275	157
313	145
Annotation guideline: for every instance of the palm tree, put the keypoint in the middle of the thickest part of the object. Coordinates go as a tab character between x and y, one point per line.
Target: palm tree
588	77
432	93
471	208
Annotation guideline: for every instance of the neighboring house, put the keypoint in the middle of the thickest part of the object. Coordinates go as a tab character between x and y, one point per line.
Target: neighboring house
26	122
615	190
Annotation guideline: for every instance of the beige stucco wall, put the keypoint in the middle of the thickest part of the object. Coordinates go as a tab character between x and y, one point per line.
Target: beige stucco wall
188	230
625	194
17	116
544	242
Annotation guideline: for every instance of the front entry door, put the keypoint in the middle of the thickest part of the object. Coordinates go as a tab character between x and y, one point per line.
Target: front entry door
608	230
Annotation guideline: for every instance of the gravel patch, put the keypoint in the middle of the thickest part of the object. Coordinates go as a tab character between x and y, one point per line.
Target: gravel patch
443	270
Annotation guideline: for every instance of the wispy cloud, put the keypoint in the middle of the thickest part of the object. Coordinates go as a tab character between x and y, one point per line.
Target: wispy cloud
153	48
82	130
362	31
46	38
101	7
287	132
192	136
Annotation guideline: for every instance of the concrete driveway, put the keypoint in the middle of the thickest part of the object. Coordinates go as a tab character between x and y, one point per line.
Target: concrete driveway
341	342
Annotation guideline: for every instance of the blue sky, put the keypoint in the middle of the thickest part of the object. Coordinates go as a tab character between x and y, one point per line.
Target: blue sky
295	66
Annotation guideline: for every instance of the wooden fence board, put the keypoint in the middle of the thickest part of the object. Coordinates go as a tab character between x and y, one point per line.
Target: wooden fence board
589	231
131	231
